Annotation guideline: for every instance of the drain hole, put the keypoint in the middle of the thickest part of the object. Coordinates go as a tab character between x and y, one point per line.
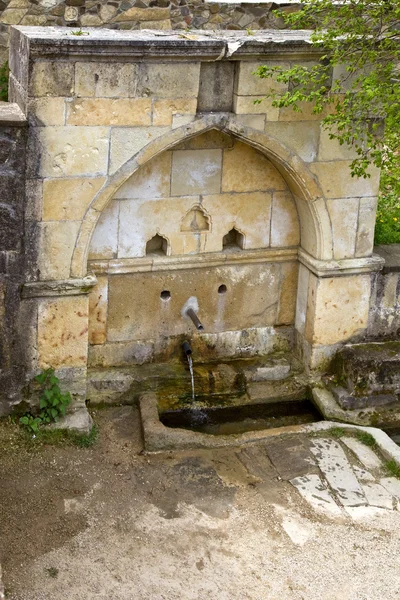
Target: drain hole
222	289
165	295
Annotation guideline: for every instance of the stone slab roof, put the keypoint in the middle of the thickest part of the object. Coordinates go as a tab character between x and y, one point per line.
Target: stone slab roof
212	45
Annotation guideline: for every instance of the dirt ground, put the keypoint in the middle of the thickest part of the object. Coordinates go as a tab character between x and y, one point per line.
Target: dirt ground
110	523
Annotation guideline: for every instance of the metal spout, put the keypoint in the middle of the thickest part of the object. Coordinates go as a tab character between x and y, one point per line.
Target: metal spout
187	348
194	318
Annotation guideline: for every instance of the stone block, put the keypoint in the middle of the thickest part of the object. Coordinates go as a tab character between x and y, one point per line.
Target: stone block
305	114
126	142
13	16
366	227
337	309
143	14
33	199
250	300
336	181
140	221
216	87
168	80
301	299
240	211
163	25
68	199
57	242
300	137
123	354
246	169
346	400
52	79
34	20
331	149
344	220
152	180
164	110
115	80
288	294
246	105
46	111
98	303
285	229
90	20
253	121
248	84
69	151
104	241
196	172
274	370
210	139
63	332
109	111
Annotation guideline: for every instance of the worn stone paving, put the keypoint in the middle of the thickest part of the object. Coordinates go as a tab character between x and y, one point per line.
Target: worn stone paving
296	517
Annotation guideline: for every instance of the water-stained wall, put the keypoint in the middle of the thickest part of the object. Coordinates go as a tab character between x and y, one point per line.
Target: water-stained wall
210	198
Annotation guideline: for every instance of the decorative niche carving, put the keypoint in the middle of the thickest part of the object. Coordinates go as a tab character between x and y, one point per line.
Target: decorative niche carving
233	239
196	220
157	245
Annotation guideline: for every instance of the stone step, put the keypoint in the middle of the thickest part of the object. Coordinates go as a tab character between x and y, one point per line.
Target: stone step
317	494
337	470
365	455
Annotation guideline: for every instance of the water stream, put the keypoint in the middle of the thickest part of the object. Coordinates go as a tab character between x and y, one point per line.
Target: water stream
190	361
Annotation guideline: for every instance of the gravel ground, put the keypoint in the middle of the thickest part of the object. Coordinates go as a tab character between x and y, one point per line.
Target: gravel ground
108	522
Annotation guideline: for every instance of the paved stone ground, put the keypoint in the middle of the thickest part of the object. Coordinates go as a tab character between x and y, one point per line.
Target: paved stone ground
292	518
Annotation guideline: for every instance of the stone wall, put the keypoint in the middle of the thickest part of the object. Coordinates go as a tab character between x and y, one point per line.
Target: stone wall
102	110
384	321
13	252
139	14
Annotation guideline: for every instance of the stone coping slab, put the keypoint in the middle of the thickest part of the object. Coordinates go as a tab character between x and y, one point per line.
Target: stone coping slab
391	255
212	45
159	438
11	115
326	403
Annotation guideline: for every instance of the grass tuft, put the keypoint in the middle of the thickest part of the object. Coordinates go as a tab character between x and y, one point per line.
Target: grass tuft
366	438
393	468
336	432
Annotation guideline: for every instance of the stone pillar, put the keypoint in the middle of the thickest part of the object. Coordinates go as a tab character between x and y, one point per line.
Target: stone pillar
62	309
332	305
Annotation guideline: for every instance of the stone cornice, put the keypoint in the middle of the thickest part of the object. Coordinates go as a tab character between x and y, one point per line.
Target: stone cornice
65	287
50	42
199	261
341	267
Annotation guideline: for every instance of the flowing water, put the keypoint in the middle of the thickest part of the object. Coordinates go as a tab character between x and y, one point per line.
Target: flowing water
190	361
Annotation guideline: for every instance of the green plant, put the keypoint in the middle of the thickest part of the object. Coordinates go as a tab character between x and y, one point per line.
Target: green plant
52	402
366	438
355	83
52	572
393	468
79	32
336	432
4	74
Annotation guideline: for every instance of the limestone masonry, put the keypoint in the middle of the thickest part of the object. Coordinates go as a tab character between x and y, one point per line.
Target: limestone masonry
152	176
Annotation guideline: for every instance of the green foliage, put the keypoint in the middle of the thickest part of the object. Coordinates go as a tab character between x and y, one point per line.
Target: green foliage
393	468
52	572
4	73
336	432
366	438
362	39
79	32
52	402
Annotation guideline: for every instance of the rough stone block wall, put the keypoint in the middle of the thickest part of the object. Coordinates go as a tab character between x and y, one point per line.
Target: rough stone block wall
139	14
12	250
384	319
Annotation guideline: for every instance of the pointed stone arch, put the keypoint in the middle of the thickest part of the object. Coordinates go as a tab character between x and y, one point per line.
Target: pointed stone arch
316	237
